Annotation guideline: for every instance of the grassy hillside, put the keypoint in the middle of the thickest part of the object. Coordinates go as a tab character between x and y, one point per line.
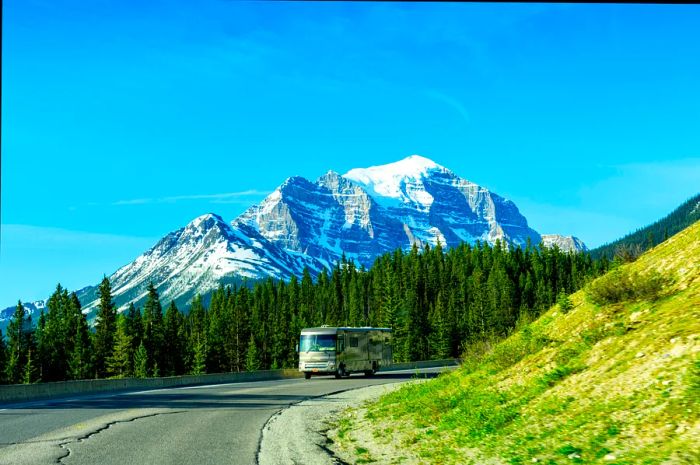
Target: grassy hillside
614	383
652	235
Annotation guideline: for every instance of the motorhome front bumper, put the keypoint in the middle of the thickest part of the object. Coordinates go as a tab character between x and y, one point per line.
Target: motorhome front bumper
317	367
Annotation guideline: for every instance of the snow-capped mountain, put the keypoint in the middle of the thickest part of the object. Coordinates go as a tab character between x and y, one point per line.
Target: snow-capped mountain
565	243
370	211
197	258
303	224
31	308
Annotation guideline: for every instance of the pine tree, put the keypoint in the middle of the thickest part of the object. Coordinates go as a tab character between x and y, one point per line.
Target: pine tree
216	332
79	363
141	362
3	358
30	374
252	361
55	334
240	329
105	328
199	362
197	329
440	344
17	346
173	354
134	327
119	364
153	334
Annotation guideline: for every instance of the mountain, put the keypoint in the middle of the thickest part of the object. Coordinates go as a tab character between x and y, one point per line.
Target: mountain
370	211
197	259
611	378
565	243
303	224
644	238
32	308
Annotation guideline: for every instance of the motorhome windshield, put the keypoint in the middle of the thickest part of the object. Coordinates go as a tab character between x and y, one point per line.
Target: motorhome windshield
317	342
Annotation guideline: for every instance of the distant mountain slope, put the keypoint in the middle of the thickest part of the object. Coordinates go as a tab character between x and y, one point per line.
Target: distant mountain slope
606	383
652	235
565	243
197	259
32	308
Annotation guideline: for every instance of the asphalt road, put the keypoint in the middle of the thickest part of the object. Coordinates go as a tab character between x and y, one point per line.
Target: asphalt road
213	424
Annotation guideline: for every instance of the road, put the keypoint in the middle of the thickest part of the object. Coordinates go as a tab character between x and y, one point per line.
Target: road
213	424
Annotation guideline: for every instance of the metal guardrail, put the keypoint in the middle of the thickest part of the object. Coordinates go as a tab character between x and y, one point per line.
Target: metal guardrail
39	391
422	364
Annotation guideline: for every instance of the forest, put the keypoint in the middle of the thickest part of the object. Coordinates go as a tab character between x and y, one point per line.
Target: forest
436	301
631	246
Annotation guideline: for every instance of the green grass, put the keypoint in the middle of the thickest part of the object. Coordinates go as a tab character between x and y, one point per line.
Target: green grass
615	382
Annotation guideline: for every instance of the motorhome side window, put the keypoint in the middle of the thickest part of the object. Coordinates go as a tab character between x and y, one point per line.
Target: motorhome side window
353	341
341	344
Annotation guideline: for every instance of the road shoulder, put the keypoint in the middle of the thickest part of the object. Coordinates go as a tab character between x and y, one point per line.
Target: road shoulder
300	433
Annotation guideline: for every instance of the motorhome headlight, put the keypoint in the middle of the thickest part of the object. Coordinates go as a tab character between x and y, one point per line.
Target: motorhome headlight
331	365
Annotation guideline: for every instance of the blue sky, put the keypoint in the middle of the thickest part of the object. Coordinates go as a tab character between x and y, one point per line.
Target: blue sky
123	120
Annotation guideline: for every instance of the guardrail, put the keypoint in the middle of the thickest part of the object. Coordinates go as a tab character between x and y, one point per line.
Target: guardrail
422	364
40	391
27	392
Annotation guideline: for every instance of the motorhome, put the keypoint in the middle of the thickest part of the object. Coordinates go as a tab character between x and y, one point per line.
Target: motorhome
341	351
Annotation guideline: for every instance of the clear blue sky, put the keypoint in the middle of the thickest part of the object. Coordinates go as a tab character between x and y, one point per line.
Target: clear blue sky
123	120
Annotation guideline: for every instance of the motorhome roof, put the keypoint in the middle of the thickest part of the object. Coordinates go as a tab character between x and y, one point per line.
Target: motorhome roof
334	329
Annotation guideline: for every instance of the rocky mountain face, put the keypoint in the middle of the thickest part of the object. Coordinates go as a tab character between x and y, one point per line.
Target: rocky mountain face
565	243
199	257
370	211
303	224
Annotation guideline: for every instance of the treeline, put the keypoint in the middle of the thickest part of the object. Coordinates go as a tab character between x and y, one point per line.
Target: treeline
434	300
634	244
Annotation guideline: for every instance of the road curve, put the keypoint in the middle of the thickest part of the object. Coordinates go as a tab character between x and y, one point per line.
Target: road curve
213	424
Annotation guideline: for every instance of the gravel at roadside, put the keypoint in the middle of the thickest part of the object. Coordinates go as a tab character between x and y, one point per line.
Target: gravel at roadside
295	435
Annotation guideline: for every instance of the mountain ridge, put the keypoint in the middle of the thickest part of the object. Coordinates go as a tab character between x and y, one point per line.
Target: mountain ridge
655	233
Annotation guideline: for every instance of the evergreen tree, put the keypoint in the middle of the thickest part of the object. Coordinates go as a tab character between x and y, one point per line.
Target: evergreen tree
30	374
240	330
120	364
141	362
3	358
216	329
55	334
105	328
199	362
17	345
197	332
79	363
252	361
153	331
174	344
134	326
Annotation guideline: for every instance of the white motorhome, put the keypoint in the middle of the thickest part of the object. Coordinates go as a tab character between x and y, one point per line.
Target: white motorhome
341	351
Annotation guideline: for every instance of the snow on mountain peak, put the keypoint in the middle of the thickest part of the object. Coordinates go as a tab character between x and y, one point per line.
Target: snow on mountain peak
394	180
412	167
203	223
